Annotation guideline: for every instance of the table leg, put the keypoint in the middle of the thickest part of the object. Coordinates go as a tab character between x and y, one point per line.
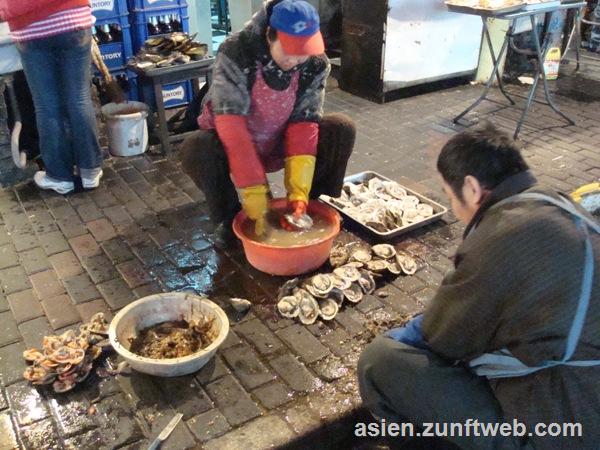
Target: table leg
492	75
163	131
578	39
486	32
541	55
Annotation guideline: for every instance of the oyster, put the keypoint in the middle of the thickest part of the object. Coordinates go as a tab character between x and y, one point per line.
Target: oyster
319	285
347	272
408	263
411	215
288	306
308	306
425	210
366	282
328	308
287	288
354	293
385	251
339	282
360	253
394	190
393	267
377	265
337	295
355	264
338	256
240	304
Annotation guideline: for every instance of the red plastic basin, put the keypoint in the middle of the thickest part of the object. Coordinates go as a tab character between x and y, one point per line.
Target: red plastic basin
294	260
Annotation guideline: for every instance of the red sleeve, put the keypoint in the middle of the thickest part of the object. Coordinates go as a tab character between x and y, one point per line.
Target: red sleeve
301	138
244	164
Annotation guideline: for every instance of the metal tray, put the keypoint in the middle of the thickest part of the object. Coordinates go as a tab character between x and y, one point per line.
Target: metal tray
486	12
157	71
362	177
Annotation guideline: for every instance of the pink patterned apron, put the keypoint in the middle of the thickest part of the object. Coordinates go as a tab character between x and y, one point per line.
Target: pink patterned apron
270	111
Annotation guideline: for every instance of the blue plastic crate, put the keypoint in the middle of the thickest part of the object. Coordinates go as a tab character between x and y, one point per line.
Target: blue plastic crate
139	22
108	9
116	54
146	4
174	94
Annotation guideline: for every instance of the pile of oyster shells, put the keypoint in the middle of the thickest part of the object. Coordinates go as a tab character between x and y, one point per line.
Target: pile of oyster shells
381	204
67	359
355	267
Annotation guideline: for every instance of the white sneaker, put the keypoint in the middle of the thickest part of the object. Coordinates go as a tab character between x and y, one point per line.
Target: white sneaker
91	183
43	181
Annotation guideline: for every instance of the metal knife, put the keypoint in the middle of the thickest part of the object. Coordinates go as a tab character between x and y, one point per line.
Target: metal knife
164	434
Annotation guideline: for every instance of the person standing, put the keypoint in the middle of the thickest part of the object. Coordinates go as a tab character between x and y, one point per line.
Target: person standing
264	113
54	40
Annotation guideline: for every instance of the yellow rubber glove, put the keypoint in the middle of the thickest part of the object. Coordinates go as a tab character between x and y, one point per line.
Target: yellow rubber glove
298	177
255	202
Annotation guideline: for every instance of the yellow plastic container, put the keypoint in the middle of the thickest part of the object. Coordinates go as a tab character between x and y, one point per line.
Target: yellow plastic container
552	63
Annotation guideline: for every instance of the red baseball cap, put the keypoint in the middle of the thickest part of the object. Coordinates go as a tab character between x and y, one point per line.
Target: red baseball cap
297	24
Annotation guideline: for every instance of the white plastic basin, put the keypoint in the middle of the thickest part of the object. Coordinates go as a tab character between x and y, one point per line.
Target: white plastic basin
158	308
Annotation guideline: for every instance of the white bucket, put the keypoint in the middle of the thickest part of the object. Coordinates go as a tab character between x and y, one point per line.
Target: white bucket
127	128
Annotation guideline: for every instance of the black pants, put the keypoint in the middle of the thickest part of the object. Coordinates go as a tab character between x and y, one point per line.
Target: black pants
405	384
205	161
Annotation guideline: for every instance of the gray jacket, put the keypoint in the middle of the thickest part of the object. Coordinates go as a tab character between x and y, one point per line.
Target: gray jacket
516	285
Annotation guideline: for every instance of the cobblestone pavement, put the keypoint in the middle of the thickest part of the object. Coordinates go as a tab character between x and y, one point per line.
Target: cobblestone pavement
273	382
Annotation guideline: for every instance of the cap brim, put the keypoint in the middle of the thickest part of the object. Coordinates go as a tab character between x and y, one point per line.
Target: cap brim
302	45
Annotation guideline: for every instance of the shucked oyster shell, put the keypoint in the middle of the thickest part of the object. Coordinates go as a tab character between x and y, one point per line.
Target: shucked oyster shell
287	288
339	255
339	282
385	251
407	262
319	285
347	272
288	306
360	253
328	308
377	265
354	293
366	282
309	308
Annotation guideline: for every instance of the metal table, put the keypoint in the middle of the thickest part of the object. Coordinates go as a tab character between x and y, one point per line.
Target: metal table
540	51
173	74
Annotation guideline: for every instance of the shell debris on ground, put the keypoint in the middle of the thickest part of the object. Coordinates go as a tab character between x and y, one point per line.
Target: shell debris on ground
67	359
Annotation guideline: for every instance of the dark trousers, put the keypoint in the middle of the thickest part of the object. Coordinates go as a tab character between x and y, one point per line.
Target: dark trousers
205	161
406	384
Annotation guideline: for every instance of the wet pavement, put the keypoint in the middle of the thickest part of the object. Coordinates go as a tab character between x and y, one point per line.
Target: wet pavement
274	382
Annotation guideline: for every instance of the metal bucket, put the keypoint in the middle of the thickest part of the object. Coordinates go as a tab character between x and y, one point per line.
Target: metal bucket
127	128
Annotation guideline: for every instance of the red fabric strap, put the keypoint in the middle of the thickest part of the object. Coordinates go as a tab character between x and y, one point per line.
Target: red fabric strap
301	138
244	164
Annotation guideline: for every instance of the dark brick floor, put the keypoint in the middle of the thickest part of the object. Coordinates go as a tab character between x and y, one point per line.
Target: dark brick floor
145	230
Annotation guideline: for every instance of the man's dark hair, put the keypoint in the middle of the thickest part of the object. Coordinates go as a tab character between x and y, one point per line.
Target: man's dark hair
272	34
485	153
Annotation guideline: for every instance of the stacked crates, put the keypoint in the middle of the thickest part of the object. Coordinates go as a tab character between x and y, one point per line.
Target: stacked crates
113	34
155	18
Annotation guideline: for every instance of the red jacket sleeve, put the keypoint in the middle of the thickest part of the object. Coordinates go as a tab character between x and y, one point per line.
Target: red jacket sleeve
244	164
301	138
